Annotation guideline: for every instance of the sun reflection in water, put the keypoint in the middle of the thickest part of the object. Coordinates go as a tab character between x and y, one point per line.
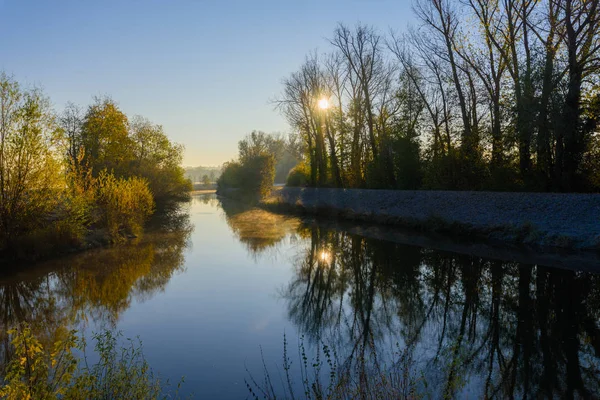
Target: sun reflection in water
325	256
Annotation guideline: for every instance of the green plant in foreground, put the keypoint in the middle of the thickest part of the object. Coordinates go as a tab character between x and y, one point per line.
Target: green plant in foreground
36	371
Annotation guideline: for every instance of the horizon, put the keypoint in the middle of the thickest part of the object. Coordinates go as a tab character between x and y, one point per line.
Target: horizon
169	65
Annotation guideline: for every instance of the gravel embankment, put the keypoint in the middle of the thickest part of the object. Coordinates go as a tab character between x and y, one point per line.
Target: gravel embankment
545	219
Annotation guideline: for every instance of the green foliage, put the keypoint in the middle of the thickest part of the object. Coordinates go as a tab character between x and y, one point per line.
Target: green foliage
454	172
254	173
57	180
53	372
105	138
58	236
129	148
408	164
124	204
36	372
30	178
398	166
299	175
230	175
254	177
284	151
258	175
158	160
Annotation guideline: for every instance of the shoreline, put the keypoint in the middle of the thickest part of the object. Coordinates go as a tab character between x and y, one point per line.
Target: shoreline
552	221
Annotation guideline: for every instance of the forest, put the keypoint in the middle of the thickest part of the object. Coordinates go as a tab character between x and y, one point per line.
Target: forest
80	177
476	95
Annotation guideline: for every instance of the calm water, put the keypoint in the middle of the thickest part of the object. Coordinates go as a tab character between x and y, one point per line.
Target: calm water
209	289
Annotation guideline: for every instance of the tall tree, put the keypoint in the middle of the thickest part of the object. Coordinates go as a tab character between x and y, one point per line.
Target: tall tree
105	138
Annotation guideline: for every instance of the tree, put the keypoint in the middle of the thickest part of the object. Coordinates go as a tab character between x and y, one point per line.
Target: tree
582	39
30	179
206	180
254	172
442	19
71	121
157	159
491	105
105	138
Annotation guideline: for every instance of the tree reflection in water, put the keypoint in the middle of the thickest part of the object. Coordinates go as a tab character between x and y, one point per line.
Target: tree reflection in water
58	295
472	326
257	229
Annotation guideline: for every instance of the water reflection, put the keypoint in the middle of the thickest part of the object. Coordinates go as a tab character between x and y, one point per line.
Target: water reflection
474	326
259	230
97	285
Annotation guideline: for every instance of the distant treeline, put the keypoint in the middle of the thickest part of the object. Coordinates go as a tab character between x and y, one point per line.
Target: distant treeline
203	174
63	176
479	95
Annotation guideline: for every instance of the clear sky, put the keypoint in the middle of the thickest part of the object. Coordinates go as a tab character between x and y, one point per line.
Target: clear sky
205	70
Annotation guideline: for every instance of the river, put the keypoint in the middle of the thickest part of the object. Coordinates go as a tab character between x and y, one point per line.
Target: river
212	291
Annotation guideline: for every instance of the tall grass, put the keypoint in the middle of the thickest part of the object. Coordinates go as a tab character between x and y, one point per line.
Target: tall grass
326	376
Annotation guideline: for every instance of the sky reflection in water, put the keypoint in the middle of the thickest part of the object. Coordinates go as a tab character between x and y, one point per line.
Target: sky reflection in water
207	287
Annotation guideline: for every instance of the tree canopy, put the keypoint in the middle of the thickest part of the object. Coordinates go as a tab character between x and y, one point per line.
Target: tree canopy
477	95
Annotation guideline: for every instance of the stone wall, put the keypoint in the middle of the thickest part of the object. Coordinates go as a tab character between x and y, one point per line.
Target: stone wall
544	219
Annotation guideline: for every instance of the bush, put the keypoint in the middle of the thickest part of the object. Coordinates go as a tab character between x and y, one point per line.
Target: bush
254	177
36	371
123	204
407	164
258	175
455	172
230	176
167	184
58	236
299	176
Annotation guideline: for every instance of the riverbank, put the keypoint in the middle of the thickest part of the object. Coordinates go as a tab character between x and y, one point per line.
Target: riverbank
549	220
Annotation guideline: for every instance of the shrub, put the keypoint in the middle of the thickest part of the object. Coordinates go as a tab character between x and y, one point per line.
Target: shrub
254	177
454	171
258	175
299	176
57	236
123	204
36	371
230	176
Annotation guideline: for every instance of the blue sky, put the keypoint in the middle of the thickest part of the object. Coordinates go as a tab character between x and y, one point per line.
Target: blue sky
205	70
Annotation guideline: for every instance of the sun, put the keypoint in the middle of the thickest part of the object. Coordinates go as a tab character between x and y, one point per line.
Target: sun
323	104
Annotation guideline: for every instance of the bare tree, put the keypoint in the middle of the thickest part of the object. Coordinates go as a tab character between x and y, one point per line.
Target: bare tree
582	41
362	50
441	18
